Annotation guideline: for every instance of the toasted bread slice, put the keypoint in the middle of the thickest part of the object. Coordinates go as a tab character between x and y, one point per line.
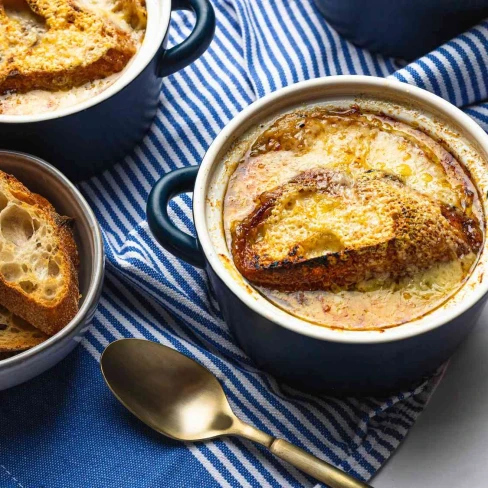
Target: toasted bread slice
324	229
16	334
38	259
72	47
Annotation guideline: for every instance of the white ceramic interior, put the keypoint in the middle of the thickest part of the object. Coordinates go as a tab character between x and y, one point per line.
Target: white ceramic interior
461	134
158	17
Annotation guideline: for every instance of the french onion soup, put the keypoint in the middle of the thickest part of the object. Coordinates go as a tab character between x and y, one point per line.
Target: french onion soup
351	219
56	54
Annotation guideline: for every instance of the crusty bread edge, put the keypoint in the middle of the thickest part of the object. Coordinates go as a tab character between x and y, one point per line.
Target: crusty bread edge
47	319
112	62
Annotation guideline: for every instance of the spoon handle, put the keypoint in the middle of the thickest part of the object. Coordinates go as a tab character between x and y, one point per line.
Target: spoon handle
322	471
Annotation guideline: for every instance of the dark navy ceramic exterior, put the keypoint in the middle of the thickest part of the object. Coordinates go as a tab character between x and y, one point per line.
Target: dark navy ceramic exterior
339	368
86	142
402	28
303	361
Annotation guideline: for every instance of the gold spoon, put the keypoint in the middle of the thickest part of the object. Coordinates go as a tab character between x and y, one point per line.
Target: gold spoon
181	399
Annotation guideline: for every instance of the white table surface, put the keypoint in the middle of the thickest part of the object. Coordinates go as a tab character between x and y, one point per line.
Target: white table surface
448	445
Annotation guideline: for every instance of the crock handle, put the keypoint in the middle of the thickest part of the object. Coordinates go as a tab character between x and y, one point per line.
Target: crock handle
177	57
174	240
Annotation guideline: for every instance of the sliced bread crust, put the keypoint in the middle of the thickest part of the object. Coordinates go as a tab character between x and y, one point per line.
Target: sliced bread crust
16	334
38	258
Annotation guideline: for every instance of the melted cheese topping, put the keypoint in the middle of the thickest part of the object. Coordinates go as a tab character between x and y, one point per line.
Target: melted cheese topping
332	224
353	143
41	101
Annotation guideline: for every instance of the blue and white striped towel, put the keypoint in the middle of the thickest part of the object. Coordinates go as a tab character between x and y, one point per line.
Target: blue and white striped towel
64	429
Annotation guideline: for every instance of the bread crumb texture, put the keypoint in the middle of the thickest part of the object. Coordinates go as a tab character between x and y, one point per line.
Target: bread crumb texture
38	258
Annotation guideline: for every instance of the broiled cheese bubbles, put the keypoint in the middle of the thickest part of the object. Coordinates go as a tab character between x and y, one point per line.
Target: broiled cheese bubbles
309	224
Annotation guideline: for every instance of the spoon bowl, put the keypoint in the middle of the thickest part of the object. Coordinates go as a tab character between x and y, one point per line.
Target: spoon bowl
181	399
168	391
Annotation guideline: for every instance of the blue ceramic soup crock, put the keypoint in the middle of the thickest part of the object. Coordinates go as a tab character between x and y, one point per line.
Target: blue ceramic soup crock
301	353
86	138
404	29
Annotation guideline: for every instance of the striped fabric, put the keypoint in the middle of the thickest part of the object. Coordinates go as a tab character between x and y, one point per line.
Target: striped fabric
259	46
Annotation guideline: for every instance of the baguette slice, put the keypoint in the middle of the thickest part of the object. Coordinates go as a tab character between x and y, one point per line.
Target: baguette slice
16	334
38	259
71	47
324	229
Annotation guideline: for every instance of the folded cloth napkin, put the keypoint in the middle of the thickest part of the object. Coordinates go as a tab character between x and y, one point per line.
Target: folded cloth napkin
64	429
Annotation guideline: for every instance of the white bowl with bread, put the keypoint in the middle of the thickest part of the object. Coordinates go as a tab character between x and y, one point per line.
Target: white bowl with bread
51	267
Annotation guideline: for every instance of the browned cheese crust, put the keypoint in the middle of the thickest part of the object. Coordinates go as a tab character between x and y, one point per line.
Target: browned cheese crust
417	232
53	311
77	47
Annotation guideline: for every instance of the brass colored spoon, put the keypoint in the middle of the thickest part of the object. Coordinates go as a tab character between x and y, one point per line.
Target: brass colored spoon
181	399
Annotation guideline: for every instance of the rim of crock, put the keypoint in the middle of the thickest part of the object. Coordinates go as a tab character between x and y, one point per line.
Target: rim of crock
158	15
288	321
98	268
